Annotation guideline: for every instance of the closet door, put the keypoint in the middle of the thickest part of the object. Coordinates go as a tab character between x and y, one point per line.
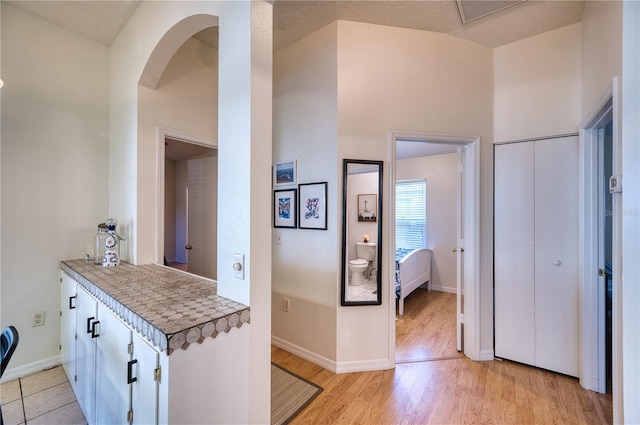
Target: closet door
514	252
556	255
536	253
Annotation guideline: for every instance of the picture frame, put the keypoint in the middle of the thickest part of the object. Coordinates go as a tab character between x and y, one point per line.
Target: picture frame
285	208
368	207
312	207
285	173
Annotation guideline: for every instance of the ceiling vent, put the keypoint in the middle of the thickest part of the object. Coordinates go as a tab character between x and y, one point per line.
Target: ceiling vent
470	10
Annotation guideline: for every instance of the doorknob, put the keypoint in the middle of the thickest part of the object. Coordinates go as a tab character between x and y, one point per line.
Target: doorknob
456	249
188	246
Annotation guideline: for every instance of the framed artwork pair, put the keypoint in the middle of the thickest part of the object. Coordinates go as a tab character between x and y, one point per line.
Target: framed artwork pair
303	208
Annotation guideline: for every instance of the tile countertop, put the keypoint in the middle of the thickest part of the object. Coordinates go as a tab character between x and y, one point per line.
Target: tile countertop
170	308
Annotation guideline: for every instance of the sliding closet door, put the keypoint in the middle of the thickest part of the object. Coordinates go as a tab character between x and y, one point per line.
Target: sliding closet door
514	252
536	253
556	255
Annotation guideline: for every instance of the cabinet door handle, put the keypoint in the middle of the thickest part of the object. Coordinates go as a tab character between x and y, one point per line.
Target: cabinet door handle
89	324
130	378
94	332
72	303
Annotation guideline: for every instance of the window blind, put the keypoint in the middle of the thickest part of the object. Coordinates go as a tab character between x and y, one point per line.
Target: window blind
411	214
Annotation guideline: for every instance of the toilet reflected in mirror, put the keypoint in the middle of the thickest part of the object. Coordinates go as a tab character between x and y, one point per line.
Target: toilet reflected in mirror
361	230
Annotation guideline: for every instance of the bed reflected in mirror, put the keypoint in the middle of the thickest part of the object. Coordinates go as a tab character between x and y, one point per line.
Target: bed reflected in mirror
361	232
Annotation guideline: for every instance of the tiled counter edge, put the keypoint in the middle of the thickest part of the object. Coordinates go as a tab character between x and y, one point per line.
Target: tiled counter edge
221	314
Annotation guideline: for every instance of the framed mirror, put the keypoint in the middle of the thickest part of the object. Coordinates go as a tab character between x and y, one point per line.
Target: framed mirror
361	232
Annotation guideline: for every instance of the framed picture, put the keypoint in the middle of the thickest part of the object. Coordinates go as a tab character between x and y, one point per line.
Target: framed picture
284	173
368	207
284	208
313	206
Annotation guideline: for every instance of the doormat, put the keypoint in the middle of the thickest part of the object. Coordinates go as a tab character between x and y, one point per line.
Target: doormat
290	394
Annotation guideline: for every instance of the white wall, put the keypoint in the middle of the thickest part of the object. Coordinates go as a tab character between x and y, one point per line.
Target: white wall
360	184
244	134
441	172
401	79
170	209
54	171
306	266
631	218
537	85
387	78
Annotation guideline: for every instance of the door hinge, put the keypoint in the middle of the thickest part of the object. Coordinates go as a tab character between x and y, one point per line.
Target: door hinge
130	348
75	378
130	416
601	272
462	169
156	374
60	347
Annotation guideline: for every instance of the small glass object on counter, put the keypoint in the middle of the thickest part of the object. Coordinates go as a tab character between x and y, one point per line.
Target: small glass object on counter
111	245
98	244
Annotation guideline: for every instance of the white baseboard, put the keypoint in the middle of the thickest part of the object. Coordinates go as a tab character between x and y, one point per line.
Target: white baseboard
442	289
24	370
305	354
487	355
335	367
364	365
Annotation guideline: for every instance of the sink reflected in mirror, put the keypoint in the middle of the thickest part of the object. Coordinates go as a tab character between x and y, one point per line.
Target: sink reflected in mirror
361	232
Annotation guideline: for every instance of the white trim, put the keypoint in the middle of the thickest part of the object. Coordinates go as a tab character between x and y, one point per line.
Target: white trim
592	321
182	136
486	355
440	288
303	353
27	369
472	268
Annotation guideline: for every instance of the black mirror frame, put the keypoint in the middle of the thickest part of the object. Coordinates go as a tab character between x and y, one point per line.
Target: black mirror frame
343	289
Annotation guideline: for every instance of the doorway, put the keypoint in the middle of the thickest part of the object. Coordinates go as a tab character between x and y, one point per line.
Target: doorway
188	240
461	175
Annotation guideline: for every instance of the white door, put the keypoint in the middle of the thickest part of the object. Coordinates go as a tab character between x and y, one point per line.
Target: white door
112	388
514	252
556	255
461	215
202	216
536	253
144	391
86	315
68	327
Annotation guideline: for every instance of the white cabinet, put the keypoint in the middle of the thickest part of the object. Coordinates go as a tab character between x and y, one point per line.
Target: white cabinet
536	253
86	315
193	372
112	369
68	326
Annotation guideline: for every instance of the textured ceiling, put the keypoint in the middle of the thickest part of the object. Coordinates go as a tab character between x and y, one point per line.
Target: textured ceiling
295	19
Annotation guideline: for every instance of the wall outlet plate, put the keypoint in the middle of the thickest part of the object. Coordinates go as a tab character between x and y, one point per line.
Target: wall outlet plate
37	319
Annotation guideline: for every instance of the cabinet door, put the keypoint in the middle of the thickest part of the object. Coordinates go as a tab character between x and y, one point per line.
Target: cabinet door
112	388
68	327
556	266
145	389
514	252
86	314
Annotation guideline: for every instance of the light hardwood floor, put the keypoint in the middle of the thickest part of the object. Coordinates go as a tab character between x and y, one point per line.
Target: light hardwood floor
452	390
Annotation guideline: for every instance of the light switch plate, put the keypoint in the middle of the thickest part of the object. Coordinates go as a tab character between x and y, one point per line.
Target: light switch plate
238	266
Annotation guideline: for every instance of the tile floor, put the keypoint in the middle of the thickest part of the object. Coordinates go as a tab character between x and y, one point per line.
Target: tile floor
364	292
41	398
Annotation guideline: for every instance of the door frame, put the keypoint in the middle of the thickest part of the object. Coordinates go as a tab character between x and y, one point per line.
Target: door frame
593	323
182	136
471	289
592	298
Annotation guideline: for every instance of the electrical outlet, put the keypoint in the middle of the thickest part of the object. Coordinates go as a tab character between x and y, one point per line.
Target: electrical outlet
38	318
285	304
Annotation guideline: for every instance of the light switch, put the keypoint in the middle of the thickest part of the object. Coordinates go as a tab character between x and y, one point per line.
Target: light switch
238	266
